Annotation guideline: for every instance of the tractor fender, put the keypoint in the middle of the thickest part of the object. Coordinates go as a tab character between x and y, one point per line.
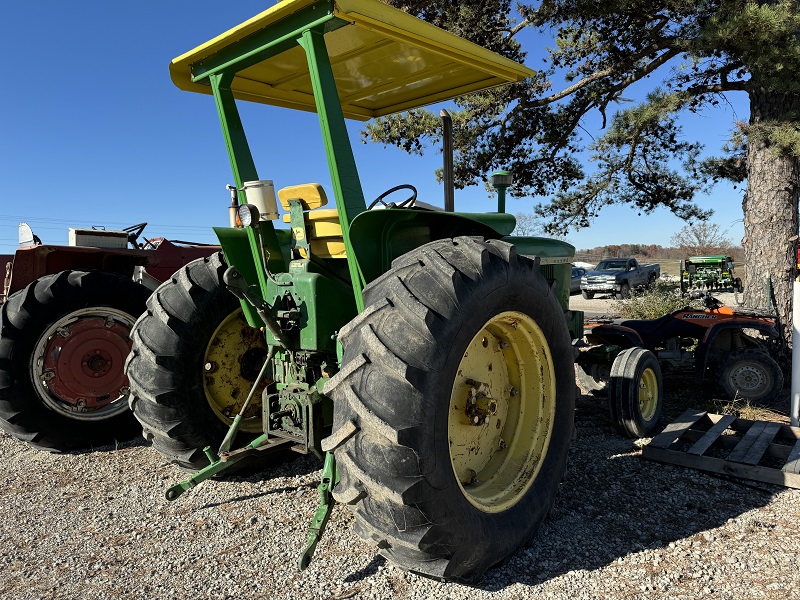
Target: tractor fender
380	236
701	355
32	262
167	258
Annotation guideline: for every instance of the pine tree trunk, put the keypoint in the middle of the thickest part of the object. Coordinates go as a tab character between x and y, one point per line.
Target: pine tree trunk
770	209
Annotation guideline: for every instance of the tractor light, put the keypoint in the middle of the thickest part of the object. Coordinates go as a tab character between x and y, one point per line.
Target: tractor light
249	215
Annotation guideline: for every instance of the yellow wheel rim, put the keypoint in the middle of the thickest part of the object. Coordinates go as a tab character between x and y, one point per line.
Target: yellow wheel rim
648	394
231	362
502	409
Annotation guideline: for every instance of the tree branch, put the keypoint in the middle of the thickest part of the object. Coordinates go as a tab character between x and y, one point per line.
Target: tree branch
715	88
657	62
517	28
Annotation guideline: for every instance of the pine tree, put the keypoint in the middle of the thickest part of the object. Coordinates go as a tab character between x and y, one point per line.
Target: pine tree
694	52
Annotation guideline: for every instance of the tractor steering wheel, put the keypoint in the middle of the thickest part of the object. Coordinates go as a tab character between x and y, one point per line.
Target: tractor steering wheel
407	203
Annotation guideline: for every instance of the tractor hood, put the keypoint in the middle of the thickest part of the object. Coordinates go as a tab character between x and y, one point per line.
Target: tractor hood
383	59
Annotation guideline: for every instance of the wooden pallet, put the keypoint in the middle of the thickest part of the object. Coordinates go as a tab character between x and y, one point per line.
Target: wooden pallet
757	450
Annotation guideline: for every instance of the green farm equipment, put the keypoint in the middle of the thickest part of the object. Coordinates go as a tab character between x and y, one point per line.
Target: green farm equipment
425	355
709	272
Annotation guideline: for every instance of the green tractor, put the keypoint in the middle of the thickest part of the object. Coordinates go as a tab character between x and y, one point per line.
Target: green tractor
710	272
424	355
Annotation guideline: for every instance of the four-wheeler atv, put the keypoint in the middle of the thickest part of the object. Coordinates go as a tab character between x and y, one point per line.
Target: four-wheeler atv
64	332
426	354
625	359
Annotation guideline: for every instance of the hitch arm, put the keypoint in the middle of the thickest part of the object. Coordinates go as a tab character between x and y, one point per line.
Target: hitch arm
260	445
320	520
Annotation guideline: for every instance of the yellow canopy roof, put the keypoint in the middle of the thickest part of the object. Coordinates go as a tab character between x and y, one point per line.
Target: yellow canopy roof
383	60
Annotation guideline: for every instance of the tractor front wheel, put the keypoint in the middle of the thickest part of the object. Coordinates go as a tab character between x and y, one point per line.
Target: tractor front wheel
193	361
453	410
635	392
63	344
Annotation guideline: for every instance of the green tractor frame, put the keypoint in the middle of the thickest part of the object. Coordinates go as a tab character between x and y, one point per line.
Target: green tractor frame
425	355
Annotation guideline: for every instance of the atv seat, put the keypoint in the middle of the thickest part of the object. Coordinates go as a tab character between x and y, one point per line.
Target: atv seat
322	228
650	330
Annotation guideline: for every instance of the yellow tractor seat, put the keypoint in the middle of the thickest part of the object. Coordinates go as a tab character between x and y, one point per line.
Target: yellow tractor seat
310	195
323	230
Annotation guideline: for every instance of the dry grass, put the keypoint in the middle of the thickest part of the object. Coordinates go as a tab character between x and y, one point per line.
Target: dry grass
743	409
663	298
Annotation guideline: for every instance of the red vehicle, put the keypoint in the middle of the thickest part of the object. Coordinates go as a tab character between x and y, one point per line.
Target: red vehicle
626	358
65	321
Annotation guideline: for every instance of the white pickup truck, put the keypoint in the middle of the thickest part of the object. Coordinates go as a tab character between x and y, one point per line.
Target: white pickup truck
618	276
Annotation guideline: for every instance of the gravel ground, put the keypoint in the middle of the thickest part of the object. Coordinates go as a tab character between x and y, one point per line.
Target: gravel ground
96	525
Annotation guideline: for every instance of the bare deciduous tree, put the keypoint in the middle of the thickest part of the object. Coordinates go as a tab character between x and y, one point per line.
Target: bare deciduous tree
702	238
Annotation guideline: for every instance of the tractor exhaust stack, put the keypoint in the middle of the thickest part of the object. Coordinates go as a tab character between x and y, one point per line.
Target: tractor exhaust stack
447	151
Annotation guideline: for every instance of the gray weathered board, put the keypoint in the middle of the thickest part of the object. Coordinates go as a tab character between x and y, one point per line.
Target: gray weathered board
730	446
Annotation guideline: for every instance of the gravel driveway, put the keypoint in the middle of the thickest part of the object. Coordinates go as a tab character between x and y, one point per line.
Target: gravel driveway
95	525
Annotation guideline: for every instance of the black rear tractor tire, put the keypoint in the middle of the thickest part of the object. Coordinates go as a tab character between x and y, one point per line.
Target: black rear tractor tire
587	295
635	393
751	375
63	343
594	378
624	292
453	410
192	363
738	286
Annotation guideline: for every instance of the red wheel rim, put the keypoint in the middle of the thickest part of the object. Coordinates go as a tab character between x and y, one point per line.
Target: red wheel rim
78	366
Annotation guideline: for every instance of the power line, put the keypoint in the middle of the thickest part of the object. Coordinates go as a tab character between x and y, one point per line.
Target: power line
71	222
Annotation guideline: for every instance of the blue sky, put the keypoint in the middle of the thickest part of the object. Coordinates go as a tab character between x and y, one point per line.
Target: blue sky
93	132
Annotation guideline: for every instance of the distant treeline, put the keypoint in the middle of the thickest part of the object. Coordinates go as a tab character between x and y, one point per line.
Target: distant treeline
647	252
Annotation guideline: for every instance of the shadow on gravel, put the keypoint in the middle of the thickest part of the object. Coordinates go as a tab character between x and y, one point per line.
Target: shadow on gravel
245	498
612	503
115	447
370	569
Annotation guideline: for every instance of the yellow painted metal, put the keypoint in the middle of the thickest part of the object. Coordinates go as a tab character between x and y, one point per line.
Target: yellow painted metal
321	223
328	249
224	384
324	232
383	61
310	195
648	394
502	409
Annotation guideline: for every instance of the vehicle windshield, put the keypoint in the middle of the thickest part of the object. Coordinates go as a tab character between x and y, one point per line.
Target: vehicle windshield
612	265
